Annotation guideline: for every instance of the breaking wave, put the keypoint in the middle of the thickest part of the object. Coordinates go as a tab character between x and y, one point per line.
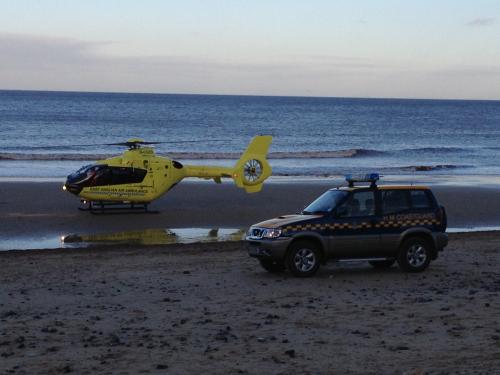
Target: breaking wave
435	150
428	168
350	153
339	171
52	157
335	154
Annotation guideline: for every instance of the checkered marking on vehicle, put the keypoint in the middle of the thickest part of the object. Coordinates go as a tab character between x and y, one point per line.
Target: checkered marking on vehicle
364	225
295	228
405	223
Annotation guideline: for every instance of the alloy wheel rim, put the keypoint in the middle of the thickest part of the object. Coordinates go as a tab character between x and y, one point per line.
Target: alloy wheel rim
305	260
416	255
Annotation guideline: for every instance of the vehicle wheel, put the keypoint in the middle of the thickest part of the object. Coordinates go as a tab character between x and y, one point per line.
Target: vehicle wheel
382	263
272	265
303	258
414	255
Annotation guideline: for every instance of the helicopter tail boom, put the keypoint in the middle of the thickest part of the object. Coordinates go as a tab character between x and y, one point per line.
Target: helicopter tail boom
249	172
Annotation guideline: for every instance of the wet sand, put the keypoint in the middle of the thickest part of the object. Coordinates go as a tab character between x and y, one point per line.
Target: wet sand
210	309
41	209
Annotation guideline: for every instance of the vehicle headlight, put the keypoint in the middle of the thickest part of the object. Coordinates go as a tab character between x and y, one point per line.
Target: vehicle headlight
271	233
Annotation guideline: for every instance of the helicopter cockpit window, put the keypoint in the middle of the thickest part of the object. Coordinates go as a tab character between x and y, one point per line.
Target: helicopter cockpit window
102	176
84	175
83	169
82	172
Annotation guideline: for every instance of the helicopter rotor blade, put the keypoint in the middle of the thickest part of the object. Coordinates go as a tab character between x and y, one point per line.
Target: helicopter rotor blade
125	144
158	143
128	143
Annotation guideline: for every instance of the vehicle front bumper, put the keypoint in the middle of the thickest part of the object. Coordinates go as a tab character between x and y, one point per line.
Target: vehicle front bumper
268	248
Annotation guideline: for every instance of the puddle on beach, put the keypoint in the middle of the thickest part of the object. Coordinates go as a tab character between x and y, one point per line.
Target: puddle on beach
138	237
152	237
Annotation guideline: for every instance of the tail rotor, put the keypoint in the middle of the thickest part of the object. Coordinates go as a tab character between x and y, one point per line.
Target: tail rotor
253	169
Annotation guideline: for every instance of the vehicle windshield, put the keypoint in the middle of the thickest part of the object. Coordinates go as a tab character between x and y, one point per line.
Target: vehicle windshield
325	203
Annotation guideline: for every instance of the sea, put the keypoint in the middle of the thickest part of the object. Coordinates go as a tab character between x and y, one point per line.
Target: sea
51	134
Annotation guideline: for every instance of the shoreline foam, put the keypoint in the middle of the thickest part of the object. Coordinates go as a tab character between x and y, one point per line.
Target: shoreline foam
154	237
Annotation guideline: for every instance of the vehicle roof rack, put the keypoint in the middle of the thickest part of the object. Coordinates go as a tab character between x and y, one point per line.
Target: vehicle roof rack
372	178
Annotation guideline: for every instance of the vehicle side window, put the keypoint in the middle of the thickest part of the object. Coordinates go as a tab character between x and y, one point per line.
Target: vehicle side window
394	201
420	199
361	203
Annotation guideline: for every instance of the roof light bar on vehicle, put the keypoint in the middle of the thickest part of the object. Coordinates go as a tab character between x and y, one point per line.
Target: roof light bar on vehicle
372	178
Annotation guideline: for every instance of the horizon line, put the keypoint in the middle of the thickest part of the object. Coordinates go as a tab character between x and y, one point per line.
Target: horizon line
248	95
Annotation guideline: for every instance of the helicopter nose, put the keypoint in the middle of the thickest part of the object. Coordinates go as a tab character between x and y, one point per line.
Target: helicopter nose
72	188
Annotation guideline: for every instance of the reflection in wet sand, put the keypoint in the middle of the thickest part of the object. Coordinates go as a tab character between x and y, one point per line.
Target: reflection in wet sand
158	236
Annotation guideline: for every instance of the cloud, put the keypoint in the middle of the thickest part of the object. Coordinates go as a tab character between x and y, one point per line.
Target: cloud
29	61
28	51
481	21
47	63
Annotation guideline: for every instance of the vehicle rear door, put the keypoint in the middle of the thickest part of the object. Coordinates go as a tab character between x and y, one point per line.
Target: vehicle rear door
396	209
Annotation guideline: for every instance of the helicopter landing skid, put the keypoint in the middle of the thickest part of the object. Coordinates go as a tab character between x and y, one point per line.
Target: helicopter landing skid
111	207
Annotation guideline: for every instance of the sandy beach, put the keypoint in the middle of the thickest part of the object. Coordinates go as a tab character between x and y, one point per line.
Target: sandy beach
209	308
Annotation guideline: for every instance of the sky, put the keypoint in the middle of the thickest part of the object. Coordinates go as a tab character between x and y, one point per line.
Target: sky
439	49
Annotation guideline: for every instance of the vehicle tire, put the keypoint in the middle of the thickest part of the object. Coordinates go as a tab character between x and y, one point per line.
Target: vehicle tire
414	254
272	266
303	258
382	263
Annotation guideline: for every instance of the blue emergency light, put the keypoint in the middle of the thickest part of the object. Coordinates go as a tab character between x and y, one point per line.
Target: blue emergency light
372	178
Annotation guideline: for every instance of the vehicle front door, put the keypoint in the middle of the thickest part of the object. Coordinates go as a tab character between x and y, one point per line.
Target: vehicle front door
352	230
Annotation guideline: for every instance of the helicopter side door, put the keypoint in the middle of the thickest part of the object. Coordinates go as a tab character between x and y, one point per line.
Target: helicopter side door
150	167
108	175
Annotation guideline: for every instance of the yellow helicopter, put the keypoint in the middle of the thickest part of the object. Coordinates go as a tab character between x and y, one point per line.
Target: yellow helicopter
137	177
